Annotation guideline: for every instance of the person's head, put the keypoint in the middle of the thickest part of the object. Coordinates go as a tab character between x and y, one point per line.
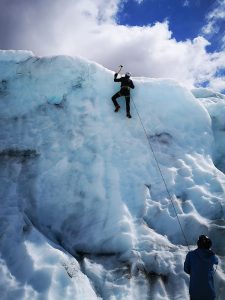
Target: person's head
128	74
204	242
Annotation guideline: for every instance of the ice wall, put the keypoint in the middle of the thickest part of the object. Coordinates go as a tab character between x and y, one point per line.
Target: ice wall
215	104
85	213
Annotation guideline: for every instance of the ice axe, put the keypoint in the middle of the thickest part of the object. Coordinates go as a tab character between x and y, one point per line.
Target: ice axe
120	68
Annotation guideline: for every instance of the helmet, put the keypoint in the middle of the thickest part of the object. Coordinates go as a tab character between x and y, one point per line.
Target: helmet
204	242
128	74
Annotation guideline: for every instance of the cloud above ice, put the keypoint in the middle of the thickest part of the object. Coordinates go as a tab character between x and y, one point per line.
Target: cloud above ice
215	23
214	16
90	29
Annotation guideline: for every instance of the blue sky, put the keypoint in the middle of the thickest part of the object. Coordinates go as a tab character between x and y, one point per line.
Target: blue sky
179	39
186	18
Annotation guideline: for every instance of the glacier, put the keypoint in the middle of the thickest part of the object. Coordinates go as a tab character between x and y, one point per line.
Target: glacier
85	213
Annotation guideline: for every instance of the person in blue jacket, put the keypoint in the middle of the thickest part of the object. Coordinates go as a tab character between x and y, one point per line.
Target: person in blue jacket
126	85
199	265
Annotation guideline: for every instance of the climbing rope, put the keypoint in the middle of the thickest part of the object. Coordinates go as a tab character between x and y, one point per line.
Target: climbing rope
161	174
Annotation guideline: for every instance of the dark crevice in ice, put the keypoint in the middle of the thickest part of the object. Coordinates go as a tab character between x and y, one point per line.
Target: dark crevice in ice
18	153
3	87
162	138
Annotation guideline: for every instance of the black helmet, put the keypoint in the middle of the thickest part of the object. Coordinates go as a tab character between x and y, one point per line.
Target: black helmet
128	74
204	242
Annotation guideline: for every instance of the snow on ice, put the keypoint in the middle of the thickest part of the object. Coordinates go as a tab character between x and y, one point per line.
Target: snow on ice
84	211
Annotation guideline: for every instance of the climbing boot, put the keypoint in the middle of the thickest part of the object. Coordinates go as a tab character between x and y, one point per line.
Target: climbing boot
117	108
128	115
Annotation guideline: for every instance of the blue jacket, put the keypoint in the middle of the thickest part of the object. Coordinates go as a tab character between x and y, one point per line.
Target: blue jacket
199	265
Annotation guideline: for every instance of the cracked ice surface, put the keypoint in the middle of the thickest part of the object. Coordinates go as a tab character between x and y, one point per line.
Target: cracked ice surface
84	211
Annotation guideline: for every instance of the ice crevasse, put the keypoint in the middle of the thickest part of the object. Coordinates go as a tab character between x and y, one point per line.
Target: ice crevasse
84	211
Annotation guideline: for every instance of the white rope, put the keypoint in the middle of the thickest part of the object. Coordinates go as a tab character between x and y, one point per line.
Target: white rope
161	174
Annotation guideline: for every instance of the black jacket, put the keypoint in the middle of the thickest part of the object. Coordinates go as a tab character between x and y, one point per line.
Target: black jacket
126	84
199	265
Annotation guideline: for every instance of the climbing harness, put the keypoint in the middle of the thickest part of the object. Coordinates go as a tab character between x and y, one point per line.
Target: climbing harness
160	172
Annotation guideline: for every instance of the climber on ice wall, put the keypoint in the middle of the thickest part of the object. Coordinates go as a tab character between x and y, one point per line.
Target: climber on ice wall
199	265
126	85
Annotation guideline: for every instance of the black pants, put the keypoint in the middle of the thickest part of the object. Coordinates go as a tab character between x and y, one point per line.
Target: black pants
127	97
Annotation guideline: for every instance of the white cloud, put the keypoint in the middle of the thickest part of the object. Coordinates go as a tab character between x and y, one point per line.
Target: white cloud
186	3
217	14
219	11
139	1
218	84
88	28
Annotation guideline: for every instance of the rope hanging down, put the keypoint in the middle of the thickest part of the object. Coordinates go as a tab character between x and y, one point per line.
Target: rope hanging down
161	174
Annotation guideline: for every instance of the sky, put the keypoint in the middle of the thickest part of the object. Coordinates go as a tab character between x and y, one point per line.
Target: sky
180	39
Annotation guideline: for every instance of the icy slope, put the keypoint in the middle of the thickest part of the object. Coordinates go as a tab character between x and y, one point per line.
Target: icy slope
215	104
85	213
